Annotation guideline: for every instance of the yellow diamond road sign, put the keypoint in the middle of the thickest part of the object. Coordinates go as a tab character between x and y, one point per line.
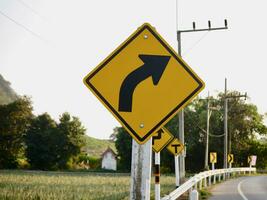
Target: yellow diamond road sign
161	139
144	83
175	147
230	158
213	157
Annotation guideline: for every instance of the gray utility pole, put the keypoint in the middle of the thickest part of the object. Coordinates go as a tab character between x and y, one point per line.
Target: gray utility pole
209	112
226	97
181	113
225	126
207	134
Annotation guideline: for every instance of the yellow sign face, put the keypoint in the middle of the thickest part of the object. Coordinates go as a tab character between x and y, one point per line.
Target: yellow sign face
161	139
213	157
144	83
175	147
230	158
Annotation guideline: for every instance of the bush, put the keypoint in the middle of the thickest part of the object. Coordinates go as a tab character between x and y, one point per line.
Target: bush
94	163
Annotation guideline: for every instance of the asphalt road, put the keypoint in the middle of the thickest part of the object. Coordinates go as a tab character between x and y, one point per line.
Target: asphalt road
244	188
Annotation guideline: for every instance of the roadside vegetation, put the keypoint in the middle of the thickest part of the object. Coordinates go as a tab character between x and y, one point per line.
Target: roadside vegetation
33	185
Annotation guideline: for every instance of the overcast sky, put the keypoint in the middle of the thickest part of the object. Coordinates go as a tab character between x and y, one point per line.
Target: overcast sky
48	46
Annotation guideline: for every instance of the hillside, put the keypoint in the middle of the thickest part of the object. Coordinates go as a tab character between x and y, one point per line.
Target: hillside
7	94
95	147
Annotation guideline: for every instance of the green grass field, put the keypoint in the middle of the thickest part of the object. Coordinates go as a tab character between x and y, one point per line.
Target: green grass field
34	185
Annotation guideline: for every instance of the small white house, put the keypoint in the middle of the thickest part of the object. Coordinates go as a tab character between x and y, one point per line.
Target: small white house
109	159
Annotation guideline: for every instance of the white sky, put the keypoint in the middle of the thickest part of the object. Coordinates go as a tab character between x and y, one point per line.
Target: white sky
78	35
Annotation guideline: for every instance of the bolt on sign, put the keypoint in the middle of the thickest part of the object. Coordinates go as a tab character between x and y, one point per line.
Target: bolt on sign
230	158
161	139
213	157
175	147
144	83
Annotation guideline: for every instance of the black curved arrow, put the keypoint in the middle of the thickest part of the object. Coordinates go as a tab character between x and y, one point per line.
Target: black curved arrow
158	137
154	66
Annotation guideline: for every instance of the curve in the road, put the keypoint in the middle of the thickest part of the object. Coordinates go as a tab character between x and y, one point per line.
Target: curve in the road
240	191
243	188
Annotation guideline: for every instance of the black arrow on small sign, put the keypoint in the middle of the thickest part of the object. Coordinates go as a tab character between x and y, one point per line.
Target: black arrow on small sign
154	66
213	155
158	137
230	158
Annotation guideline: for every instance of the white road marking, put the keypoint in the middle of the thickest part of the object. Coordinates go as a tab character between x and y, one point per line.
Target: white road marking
240	191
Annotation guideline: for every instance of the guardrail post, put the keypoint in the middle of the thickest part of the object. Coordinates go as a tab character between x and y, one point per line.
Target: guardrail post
205	182
195	185
209	180
193	195
200	183
219	177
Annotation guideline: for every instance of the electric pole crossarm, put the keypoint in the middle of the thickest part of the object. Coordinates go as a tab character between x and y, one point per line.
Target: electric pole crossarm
204	29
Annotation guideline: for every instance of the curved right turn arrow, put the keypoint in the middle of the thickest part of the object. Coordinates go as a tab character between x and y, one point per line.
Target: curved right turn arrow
154	66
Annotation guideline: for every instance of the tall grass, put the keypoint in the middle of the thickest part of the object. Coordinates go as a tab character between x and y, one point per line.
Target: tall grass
37	185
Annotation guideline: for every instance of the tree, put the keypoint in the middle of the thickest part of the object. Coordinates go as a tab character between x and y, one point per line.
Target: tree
42	143
14	122
72	132
50	145
123	145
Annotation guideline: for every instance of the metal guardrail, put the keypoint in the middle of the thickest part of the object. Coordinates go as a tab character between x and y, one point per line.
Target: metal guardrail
198	179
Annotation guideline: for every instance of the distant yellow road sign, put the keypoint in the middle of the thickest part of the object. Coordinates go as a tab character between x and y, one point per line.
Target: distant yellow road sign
161	139
230	158
213	157
175	147
144	83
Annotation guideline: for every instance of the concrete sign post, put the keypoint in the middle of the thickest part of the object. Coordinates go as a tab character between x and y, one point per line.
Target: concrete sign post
176	148
141	170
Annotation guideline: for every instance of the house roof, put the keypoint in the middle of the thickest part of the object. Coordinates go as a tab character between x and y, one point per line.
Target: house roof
109	150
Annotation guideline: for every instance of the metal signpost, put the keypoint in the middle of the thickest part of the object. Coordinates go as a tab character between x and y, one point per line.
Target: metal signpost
159	140
213	160
143	83
176	148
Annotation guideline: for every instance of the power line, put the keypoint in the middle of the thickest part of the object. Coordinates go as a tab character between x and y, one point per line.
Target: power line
23	27
196	43
30	8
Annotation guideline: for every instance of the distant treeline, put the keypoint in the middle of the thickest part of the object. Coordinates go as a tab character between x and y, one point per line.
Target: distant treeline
38	142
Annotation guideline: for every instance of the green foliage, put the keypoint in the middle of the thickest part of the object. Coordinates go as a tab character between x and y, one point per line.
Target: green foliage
123	145
53	146
42	143
94	163
72	133
15	120
259	149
